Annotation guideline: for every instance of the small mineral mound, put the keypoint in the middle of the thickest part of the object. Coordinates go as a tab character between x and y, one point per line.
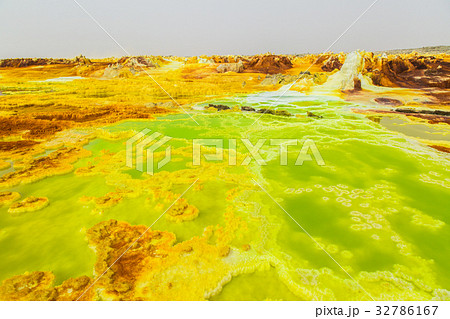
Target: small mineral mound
6	198
19	287
182	211
108	200
38	285
56	163
29	204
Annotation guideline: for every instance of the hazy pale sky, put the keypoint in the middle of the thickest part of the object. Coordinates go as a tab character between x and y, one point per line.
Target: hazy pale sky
59	28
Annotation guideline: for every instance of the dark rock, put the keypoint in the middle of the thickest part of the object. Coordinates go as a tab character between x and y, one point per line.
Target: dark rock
441	148
441	112
419	111
357	84
311	114
282	113
406	111
274	112
219	107
247	108
332	64
266	111
388	101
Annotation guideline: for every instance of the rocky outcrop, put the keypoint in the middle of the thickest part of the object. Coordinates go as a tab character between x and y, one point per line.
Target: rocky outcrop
266	111
112	71
225	59
25	62
268	63
413	71
311	114
137	62
82	60
219	107
357	86
331	64
231	67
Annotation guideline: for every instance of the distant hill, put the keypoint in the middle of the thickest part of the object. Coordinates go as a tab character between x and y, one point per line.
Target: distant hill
424	50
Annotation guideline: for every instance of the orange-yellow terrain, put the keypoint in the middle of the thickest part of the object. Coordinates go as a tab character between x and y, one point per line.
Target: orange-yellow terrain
63	128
